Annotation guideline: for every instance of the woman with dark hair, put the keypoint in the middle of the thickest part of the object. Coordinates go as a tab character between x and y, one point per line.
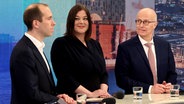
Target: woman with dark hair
77	59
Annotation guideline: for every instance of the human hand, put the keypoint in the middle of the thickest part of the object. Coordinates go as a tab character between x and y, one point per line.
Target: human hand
99	93
95	93
158	89
67	99
102	93
105	94
167	86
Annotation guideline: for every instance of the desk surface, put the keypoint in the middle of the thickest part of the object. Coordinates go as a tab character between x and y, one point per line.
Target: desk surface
152	99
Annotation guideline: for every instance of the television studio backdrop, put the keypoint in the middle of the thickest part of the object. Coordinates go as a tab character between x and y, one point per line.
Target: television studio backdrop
113	23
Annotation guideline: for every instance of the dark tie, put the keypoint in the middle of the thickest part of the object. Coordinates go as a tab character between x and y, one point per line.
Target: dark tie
151	61
49	69
46	62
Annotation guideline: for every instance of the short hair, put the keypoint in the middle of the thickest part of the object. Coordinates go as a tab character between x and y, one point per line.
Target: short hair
71	20
31	13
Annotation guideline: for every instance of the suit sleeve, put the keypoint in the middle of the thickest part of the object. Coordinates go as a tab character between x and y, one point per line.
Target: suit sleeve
62	65
172	75
104	75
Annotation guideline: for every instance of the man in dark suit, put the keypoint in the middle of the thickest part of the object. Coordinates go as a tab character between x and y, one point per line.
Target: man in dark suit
32	81
132	65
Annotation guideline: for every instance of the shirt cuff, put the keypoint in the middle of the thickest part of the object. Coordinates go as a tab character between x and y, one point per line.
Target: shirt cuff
149	90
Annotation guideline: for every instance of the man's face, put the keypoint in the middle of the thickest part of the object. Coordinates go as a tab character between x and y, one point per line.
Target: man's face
46	27
145	24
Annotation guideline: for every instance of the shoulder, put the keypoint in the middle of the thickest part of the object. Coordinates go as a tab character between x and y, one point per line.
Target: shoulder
94	42
58	43
61	44
91	40
160	41
24	44
131	42
60	39
24	50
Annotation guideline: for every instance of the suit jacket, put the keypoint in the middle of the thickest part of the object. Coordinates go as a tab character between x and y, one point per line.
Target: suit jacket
132	66
31	81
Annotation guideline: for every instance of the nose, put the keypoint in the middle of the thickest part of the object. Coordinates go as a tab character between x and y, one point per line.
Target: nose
81	21
141	24
53	22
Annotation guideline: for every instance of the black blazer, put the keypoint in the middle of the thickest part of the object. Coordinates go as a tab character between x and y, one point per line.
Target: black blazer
132	66
31	81
75	65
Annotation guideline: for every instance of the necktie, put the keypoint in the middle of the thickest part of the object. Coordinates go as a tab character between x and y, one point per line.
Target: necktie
151	61
49	69
46	62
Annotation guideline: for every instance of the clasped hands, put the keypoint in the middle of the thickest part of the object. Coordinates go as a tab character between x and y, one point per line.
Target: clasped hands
99	93
67	99
161	88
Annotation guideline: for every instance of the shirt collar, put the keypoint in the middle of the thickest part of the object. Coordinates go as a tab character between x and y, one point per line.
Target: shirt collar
36	42
143	41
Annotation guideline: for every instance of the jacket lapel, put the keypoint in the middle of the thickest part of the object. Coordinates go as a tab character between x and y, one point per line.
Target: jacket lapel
141	51
40	58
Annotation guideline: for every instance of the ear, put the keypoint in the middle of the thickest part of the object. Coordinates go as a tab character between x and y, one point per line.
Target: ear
36	24
155	24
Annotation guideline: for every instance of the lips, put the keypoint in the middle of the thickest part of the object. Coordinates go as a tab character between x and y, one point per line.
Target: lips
81	26
52	30
142	30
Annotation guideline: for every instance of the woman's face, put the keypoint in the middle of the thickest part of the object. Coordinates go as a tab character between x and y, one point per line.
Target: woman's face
81	23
